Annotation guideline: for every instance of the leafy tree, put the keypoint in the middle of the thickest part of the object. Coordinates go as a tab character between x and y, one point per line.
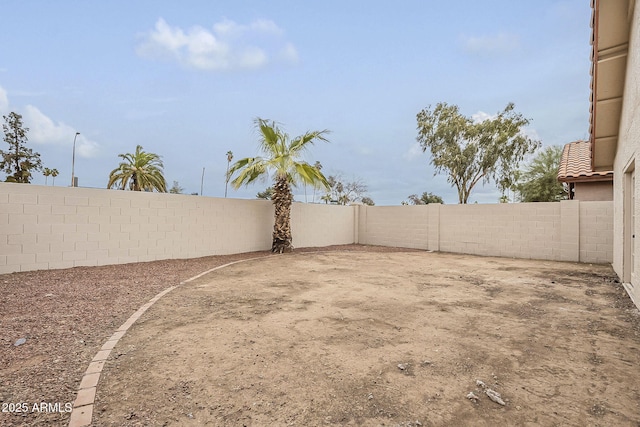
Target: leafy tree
425	199
138	171
469	151
267	194
226	182
343	193
538	182
18	161
175	188
282	160
367	201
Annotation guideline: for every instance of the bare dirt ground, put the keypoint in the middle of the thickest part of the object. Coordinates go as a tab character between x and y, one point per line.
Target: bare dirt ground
66	315
381	339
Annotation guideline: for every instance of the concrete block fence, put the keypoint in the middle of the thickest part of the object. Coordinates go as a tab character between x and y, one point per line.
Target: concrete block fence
567	231
57	227
46	227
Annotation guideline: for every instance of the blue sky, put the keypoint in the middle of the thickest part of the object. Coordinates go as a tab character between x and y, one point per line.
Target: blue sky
186	79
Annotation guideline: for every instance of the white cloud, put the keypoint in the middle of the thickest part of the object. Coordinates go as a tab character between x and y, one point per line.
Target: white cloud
86	148
289	53
481	116
229	28
227	46
43	130
413	152
363	150
531	133
4	101
252	57
491	45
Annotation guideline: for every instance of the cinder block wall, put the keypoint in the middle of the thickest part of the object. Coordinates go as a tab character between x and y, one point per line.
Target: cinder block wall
571	230
509	230
322	225
59	227
596	232
399	226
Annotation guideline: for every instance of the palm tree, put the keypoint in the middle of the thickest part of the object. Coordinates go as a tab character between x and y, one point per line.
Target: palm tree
46	172
138	171
54	173
282	162
226	183
318	166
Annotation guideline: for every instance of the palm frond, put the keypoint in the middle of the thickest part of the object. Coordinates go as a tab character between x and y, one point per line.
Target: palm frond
239	164
302	142
271	137
139	171
281	157
250	169
309	174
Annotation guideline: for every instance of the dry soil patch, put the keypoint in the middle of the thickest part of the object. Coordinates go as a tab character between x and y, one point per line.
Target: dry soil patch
396	339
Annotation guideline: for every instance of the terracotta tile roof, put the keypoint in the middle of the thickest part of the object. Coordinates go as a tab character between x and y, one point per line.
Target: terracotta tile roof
575	164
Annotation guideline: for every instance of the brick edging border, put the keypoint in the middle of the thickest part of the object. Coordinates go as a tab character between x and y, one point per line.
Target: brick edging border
82	412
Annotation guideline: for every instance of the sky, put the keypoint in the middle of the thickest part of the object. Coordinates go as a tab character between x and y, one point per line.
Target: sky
186	80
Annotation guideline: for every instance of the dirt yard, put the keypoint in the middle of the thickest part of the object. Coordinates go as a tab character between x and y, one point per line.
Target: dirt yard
381	339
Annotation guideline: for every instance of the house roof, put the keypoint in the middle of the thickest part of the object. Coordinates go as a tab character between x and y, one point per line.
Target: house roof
575	164
610	28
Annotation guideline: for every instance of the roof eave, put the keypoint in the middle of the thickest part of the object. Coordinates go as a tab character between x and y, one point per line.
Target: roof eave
610	22
594	178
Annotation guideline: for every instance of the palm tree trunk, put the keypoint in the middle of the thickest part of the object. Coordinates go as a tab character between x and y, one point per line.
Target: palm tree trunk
282	199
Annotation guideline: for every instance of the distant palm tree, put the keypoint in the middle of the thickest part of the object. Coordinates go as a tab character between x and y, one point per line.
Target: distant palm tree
226	183
138	171
54	173
318	166
282	154
46	172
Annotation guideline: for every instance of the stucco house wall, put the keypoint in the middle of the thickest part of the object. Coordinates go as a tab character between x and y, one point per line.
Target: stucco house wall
593	191
626	160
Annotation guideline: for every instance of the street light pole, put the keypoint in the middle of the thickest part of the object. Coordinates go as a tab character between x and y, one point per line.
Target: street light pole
202	182
73	161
